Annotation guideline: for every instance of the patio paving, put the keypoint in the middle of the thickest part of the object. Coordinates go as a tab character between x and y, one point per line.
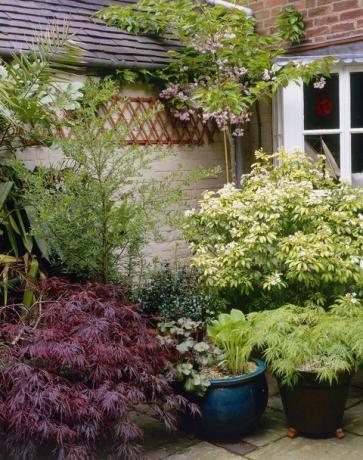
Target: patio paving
268	441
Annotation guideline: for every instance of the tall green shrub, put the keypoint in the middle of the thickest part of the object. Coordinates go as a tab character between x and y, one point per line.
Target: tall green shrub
97	210
291	235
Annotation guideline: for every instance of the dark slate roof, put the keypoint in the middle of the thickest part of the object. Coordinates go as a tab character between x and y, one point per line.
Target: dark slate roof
101	45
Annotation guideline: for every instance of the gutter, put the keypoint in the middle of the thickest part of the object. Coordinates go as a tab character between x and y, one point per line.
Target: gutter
229	5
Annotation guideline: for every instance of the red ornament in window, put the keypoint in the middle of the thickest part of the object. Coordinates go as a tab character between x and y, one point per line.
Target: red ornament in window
324	107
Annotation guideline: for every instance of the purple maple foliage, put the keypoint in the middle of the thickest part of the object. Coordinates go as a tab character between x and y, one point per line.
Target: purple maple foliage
70	384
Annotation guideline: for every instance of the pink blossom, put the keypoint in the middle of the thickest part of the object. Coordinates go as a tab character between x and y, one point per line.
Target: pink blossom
266	75
238	132
169	92
320	84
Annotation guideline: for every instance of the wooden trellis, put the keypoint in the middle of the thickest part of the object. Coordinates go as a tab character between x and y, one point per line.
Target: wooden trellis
157	127
149	125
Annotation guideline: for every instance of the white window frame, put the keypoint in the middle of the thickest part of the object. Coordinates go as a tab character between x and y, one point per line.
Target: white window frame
288	113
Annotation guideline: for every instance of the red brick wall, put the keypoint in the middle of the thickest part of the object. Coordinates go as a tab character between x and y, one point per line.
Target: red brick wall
326	20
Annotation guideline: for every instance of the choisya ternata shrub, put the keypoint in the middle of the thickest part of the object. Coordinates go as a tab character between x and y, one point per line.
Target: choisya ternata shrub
290	234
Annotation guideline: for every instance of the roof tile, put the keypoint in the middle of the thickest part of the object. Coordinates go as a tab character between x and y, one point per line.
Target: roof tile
20	20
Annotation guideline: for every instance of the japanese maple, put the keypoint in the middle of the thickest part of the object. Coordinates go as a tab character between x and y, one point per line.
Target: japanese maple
71	381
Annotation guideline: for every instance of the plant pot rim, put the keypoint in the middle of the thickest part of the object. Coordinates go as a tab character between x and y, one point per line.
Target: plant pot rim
229	381
310	377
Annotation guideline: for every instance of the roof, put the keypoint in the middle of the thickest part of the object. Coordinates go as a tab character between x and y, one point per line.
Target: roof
101	45
347	53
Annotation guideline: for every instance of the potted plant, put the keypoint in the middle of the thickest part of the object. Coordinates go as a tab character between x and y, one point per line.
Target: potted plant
221	376
313	353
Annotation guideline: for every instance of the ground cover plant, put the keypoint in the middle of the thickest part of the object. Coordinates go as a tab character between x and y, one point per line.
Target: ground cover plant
291	234
72	378
192	353
175	293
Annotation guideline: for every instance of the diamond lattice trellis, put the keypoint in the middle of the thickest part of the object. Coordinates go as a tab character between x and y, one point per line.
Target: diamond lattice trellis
150	126
159	126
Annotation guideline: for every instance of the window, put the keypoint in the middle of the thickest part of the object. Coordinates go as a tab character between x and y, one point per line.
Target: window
327	121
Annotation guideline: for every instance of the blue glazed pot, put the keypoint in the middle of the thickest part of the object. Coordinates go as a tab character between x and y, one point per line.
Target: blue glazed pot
232	406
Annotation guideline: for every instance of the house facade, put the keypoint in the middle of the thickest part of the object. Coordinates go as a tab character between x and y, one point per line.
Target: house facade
328	118
325	120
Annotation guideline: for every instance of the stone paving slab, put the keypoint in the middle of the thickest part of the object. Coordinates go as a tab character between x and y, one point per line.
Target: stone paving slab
205	451
268	441
353	401
353	420
349	448
273	388
159	443
271	428
240	448
275	403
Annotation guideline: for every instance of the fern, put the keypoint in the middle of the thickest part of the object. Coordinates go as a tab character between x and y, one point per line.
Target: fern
297	339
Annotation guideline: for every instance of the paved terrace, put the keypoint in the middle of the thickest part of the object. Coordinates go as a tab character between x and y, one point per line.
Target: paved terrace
268	442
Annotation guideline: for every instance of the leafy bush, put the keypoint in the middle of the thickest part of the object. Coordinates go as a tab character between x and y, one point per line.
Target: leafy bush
177	293
32	95
72	380
292	234
295	339
98	209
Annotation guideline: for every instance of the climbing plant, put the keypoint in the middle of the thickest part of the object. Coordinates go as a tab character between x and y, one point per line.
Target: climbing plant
219	67
290	24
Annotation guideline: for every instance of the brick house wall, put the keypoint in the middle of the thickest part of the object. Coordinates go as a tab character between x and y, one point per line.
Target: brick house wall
325	20
328	22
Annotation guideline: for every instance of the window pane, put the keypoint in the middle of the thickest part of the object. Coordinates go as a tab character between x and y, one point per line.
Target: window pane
357	153
327	145
356	97
321	106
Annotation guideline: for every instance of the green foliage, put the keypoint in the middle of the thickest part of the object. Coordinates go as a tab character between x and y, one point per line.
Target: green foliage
97	210
176	293
290	25
193	354
32	96
222	66
291	234
296	339
19	251
231	333
33	92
